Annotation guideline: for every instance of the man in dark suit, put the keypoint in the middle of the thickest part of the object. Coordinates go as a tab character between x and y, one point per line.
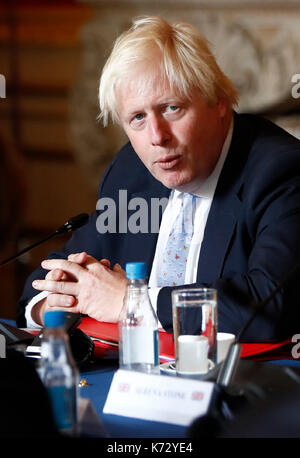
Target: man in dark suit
164	87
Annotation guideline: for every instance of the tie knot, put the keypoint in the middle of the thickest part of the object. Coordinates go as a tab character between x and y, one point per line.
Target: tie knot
188	196
187	199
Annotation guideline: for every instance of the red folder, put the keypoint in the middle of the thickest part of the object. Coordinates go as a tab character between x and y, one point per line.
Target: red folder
105	338
268	351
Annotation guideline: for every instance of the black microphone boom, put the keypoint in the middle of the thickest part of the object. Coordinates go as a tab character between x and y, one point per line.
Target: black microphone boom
259	306
230	363
72	224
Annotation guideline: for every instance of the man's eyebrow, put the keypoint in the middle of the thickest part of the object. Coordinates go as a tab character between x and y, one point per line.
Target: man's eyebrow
127	116
174	100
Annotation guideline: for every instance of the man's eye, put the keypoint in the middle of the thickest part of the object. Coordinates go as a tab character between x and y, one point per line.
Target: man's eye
172	108
138	117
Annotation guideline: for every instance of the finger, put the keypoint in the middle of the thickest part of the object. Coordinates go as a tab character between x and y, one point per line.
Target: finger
59	287
105	262
68	267
84	260
89	262
96	266
118	268
60	300
56	274
80	258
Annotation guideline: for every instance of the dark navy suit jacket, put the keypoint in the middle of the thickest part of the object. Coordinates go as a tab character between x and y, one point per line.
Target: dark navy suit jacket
252	236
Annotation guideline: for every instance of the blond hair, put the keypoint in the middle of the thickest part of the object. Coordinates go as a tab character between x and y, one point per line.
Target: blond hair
184	57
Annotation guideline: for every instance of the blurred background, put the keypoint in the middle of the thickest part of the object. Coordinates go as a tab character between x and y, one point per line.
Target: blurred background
53	151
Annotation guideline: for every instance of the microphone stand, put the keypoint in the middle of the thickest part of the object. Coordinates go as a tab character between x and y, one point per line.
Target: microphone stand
70	225
15	335
11	258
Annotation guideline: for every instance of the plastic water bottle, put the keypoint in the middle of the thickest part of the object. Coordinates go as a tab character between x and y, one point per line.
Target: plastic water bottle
59	373
138	324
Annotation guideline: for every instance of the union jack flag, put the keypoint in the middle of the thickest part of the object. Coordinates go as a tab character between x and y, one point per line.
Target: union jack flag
124	387
197	396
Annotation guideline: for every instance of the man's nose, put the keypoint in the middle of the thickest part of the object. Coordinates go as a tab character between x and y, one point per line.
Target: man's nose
159	131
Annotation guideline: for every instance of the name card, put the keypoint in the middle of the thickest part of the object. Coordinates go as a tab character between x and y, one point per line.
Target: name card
161	398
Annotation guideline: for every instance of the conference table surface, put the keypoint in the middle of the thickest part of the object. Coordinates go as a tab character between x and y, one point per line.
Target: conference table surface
98	375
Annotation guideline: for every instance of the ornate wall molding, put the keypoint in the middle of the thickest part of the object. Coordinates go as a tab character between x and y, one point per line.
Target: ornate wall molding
261	4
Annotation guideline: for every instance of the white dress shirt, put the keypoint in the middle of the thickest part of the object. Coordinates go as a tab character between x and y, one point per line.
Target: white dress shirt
205	191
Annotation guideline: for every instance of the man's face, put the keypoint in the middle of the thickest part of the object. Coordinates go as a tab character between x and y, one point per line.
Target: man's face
179	139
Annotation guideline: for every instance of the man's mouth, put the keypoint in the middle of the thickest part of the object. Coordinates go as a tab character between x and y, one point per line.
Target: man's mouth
168	162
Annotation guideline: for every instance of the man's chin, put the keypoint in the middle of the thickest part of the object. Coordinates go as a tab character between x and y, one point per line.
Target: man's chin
182	183
174	183
172	178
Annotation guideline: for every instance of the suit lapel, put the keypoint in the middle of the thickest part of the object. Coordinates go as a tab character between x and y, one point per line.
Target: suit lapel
226	205
219	231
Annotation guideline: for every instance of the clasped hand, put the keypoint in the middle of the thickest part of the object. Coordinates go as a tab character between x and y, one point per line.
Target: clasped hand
84	285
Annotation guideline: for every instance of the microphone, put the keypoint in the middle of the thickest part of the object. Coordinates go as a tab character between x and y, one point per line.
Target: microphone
71	225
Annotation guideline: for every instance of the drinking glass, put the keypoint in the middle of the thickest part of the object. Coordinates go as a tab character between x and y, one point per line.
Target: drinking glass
195	329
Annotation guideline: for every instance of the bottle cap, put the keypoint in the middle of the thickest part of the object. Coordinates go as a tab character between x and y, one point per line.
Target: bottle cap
135	270
54	318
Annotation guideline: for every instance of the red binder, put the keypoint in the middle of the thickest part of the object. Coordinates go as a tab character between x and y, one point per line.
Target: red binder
105	338
268	351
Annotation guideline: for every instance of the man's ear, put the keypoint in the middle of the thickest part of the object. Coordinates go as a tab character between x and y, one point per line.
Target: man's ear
223	107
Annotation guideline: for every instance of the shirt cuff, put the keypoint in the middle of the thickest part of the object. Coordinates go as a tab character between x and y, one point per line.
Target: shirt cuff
30	323
153	294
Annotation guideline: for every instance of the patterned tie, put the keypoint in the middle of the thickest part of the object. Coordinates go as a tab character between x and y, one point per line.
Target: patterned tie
172	269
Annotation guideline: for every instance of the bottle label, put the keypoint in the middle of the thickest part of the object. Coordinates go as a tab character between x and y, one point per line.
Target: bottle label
140	345
63	401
